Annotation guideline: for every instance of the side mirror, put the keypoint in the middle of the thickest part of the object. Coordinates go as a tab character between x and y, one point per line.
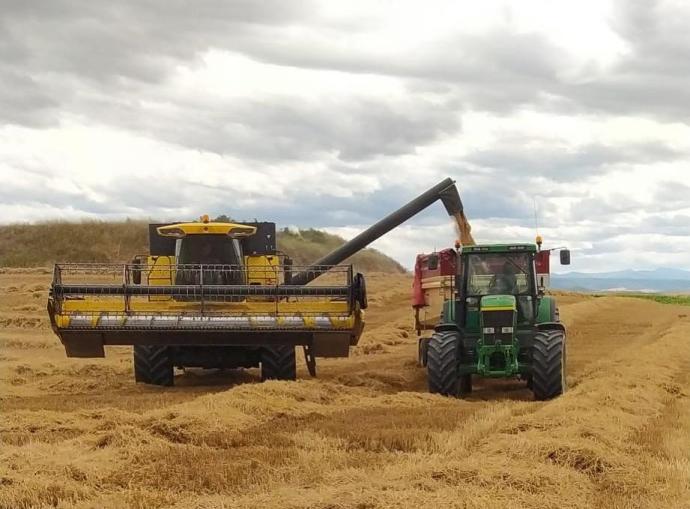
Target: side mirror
432	262
565	256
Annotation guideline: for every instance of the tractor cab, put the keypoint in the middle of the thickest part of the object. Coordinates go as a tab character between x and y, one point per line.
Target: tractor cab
491	273
487	272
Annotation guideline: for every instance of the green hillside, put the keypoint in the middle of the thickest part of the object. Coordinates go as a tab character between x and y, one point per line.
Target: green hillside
33	245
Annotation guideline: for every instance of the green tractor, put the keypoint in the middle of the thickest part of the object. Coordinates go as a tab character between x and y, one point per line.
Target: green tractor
496	322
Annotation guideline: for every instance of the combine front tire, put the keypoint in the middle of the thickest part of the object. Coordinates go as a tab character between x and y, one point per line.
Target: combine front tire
278	363
442	365
548	365
153	365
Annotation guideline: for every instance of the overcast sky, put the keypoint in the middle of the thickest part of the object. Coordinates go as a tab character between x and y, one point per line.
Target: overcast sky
331	114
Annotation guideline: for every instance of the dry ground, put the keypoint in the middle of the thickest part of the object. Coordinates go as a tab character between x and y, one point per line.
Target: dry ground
365	434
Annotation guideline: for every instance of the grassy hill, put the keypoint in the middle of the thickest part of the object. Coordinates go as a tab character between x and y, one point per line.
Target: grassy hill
33	245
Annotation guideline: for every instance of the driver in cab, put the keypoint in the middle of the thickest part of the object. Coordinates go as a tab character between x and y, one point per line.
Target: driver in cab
505	281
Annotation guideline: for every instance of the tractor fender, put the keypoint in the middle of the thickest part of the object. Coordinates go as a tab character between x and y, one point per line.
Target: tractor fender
547	310
443	327
551	326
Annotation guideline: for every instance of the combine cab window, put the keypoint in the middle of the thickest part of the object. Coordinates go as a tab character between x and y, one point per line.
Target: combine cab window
499	273
209	250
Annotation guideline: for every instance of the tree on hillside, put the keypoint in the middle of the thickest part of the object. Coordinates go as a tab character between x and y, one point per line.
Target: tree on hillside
224	219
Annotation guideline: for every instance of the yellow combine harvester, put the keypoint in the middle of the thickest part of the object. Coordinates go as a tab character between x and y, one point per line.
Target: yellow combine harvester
219	295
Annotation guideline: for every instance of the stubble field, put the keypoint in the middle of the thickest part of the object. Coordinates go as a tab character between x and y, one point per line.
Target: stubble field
78	433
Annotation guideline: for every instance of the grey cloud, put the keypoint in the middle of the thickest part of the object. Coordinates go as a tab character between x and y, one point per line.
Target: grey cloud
37	195
105	61
653	77
23	101
622	243
673	194
285	128
114	47
107	40
676	224
291	129
519	155
124	47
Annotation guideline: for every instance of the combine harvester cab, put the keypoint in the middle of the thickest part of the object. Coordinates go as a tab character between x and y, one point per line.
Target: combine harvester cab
219	295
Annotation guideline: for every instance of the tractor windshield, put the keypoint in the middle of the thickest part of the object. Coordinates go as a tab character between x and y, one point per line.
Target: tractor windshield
499	273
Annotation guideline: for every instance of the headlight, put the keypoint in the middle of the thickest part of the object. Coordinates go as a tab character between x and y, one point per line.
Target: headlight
166	231
488	330
507	330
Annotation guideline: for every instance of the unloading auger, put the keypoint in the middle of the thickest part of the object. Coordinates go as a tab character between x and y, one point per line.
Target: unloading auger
220	295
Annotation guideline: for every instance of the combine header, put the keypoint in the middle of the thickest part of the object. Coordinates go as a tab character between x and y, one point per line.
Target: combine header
219	295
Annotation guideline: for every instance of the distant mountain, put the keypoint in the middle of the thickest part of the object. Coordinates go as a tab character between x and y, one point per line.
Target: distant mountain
665	274
657	280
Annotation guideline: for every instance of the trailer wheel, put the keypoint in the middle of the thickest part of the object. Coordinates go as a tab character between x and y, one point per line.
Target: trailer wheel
464	385
422	349
153	365
548	364
442	363
278	363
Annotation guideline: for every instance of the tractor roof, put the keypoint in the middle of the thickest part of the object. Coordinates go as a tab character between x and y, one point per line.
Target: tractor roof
500	248
206	227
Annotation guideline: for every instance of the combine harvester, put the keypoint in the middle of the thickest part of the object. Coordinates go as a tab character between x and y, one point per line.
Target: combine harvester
219	295
487	307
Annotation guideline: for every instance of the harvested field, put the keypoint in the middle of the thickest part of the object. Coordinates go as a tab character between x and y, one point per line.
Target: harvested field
78	433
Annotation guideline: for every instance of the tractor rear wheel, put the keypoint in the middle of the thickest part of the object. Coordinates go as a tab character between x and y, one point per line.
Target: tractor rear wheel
442	363
153	365
278	363
548	364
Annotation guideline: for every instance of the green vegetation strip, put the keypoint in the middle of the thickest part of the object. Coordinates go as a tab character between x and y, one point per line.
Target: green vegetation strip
681	300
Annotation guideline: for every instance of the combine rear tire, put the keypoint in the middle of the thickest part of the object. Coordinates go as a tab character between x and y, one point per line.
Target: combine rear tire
153	365
548	365
278	363
442	365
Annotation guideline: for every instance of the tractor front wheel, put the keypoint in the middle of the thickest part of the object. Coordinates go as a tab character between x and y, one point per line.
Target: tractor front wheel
442	364
153	365
548	365
278	363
